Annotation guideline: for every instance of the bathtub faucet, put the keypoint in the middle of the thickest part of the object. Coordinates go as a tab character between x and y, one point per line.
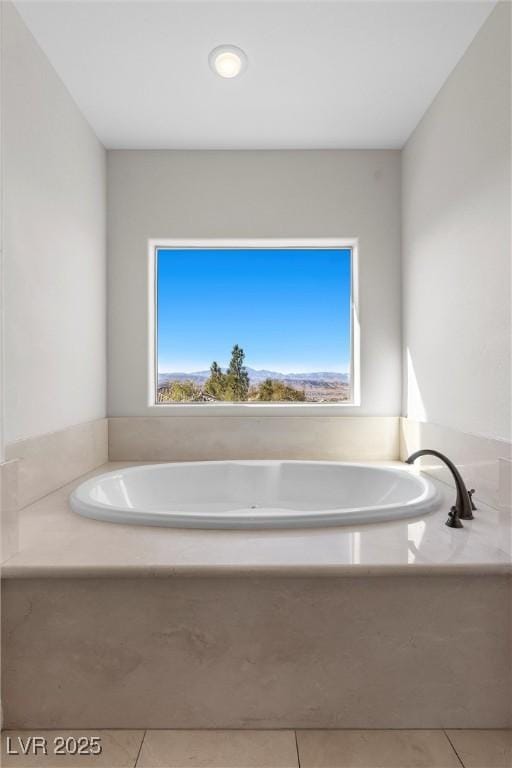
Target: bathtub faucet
464	506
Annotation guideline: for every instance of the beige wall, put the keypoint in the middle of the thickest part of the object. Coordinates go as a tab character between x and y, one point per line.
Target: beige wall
456	245
280	194
54	246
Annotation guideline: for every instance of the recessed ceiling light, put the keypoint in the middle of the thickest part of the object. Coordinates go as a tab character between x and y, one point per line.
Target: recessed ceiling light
227	61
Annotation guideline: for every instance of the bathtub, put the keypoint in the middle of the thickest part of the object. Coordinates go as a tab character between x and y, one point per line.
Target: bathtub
255	494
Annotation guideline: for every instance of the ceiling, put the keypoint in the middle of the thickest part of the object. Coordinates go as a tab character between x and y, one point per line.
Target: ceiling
321	73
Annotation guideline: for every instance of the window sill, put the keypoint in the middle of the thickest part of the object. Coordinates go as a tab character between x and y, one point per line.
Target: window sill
254	409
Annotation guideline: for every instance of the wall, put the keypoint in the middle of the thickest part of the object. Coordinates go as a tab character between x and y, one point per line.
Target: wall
54	181
289	194
456	246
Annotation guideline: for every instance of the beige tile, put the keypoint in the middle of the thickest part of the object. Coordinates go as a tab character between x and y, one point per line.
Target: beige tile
9	518
481	460
119	749
50	461
194	438
218	749
505	483
375	749
483	749
271	652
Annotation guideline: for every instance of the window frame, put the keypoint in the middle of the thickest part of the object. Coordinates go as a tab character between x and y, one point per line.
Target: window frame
155	244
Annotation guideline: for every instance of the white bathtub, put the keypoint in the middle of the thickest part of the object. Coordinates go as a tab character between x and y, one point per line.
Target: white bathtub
254	494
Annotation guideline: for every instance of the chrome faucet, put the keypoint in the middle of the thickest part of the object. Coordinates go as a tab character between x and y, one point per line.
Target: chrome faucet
464	505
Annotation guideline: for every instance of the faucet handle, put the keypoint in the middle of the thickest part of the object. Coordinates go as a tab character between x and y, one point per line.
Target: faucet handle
454	519
470	494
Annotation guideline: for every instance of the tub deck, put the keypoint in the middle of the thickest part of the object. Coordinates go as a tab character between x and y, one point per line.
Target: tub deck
52	541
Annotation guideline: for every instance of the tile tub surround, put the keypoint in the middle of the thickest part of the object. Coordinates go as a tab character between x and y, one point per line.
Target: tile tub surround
9	524
47	462
56	542
328	627
485	464
202	437
247	652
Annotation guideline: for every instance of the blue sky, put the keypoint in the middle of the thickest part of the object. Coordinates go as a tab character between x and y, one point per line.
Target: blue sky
288	309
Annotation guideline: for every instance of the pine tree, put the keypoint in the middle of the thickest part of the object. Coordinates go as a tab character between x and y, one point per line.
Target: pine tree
237	376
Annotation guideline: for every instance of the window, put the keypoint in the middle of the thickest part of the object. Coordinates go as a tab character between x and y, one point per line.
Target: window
253	324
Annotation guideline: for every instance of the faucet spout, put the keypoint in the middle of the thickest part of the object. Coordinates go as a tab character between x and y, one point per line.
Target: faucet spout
463	507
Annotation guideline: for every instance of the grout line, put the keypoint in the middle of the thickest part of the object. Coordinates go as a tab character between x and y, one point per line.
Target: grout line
451	745
297	748
140	749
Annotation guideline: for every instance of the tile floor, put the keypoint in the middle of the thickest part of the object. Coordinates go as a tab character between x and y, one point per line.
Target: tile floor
270	749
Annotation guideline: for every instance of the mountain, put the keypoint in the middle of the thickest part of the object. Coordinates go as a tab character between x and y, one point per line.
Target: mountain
257	376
